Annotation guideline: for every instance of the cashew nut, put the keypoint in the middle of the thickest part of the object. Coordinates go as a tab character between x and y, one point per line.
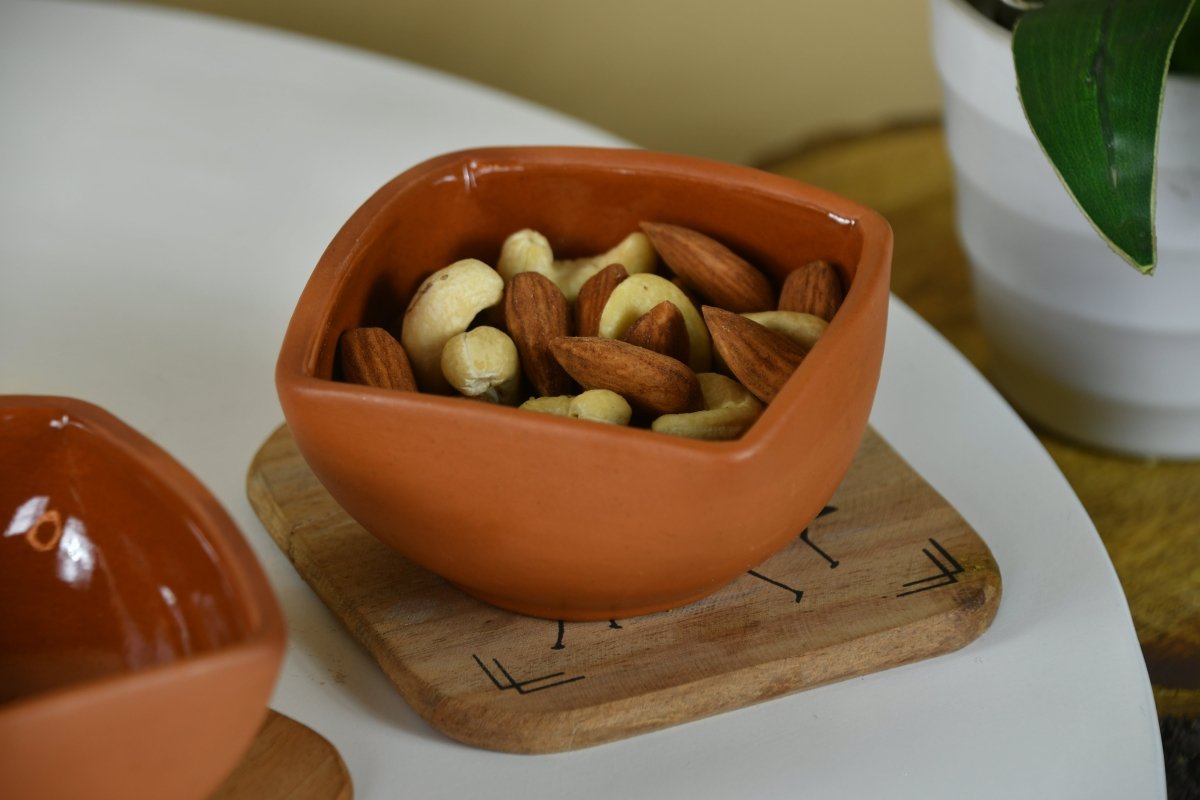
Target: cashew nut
600	405
483	363
443	306
597	405
796	325
637	294
558	405
529	251
729	411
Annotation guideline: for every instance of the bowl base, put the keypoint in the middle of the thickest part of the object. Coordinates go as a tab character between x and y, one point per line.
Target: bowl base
574	614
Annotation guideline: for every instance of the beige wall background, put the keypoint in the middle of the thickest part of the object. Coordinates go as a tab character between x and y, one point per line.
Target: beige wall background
745	82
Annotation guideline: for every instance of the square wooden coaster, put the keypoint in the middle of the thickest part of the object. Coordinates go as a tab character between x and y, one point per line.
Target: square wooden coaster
888	574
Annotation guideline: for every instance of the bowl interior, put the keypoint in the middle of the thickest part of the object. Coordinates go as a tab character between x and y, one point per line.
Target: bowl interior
583	201
104	567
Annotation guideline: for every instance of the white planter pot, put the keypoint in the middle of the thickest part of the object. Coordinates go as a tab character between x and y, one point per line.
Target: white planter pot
1080	342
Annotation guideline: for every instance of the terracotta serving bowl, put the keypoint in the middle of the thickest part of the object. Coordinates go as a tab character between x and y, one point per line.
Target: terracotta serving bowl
140	641
556	517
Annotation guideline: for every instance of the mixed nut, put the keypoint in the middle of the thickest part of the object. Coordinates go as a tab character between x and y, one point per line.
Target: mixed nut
607	338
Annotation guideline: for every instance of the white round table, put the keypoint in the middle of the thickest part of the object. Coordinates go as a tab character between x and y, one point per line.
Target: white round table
168	181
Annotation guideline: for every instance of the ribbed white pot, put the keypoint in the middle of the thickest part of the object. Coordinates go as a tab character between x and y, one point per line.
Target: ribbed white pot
1080	342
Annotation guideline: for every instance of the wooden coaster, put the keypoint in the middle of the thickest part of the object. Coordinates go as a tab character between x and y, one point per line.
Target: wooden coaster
888	574
288	761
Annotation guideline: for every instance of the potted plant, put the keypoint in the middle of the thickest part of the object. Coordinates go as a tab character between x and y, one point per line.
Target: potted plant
1077	155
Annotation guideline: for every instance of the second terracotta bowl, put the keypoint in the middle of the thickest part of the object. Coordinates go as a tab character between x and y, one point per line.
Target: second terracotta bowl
139	640
555	517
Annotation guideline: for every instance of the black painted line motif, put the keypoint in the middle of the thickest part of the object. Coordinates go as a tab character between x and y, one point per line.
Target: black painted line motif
832	561
805	538
798	592
947	573
526	686
562	629
560	644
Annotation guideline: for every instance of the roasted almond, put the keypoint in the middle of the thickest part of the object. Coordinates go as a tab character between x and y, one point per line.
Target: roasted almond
373	357
721	276
815	288
536	312
761	359
652	383
663	330
593	296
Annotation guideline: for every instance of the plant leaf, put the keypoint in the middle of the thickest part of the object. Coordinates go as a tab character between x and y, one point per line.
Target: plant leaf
1090	74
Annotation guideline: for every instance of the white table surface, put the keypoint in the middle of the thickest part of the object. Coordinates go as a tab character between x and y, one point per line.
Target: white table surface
167	183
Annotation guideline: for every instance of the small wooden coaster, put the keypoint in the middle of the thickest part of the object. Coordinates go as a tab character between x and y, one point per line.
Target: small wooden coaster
888	574
288	761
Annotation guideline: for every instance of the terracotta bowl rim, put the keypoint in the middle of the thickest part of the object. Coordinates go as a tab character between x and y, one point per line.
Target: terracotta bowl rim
266	632
296	365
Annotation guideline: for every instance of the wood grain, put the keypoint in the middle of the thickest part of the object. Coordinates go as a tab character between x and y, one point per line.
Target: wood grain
288	761
1147	512
890	574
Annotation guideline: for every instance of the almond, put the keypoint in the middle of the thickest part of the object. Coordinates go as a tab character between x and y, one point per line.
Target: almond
536	312
815	288
716	272
663	330
652	383
593	296
761	359
373	357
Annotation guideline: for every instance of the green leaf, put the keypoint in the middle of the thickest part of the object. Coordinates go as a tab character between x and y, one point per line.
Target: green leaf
1090	74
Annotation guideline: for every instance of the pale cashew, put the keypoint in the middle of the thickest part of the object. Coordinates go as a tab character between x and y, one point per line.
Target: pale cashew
443	306
796	325
529	251
558	405
596	405
483	363
637	294
601	405
729	411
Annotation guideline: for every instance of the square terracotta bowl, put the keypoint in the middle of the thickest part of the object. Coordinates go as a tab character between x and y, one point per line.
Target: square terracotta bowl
556	517
140	641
